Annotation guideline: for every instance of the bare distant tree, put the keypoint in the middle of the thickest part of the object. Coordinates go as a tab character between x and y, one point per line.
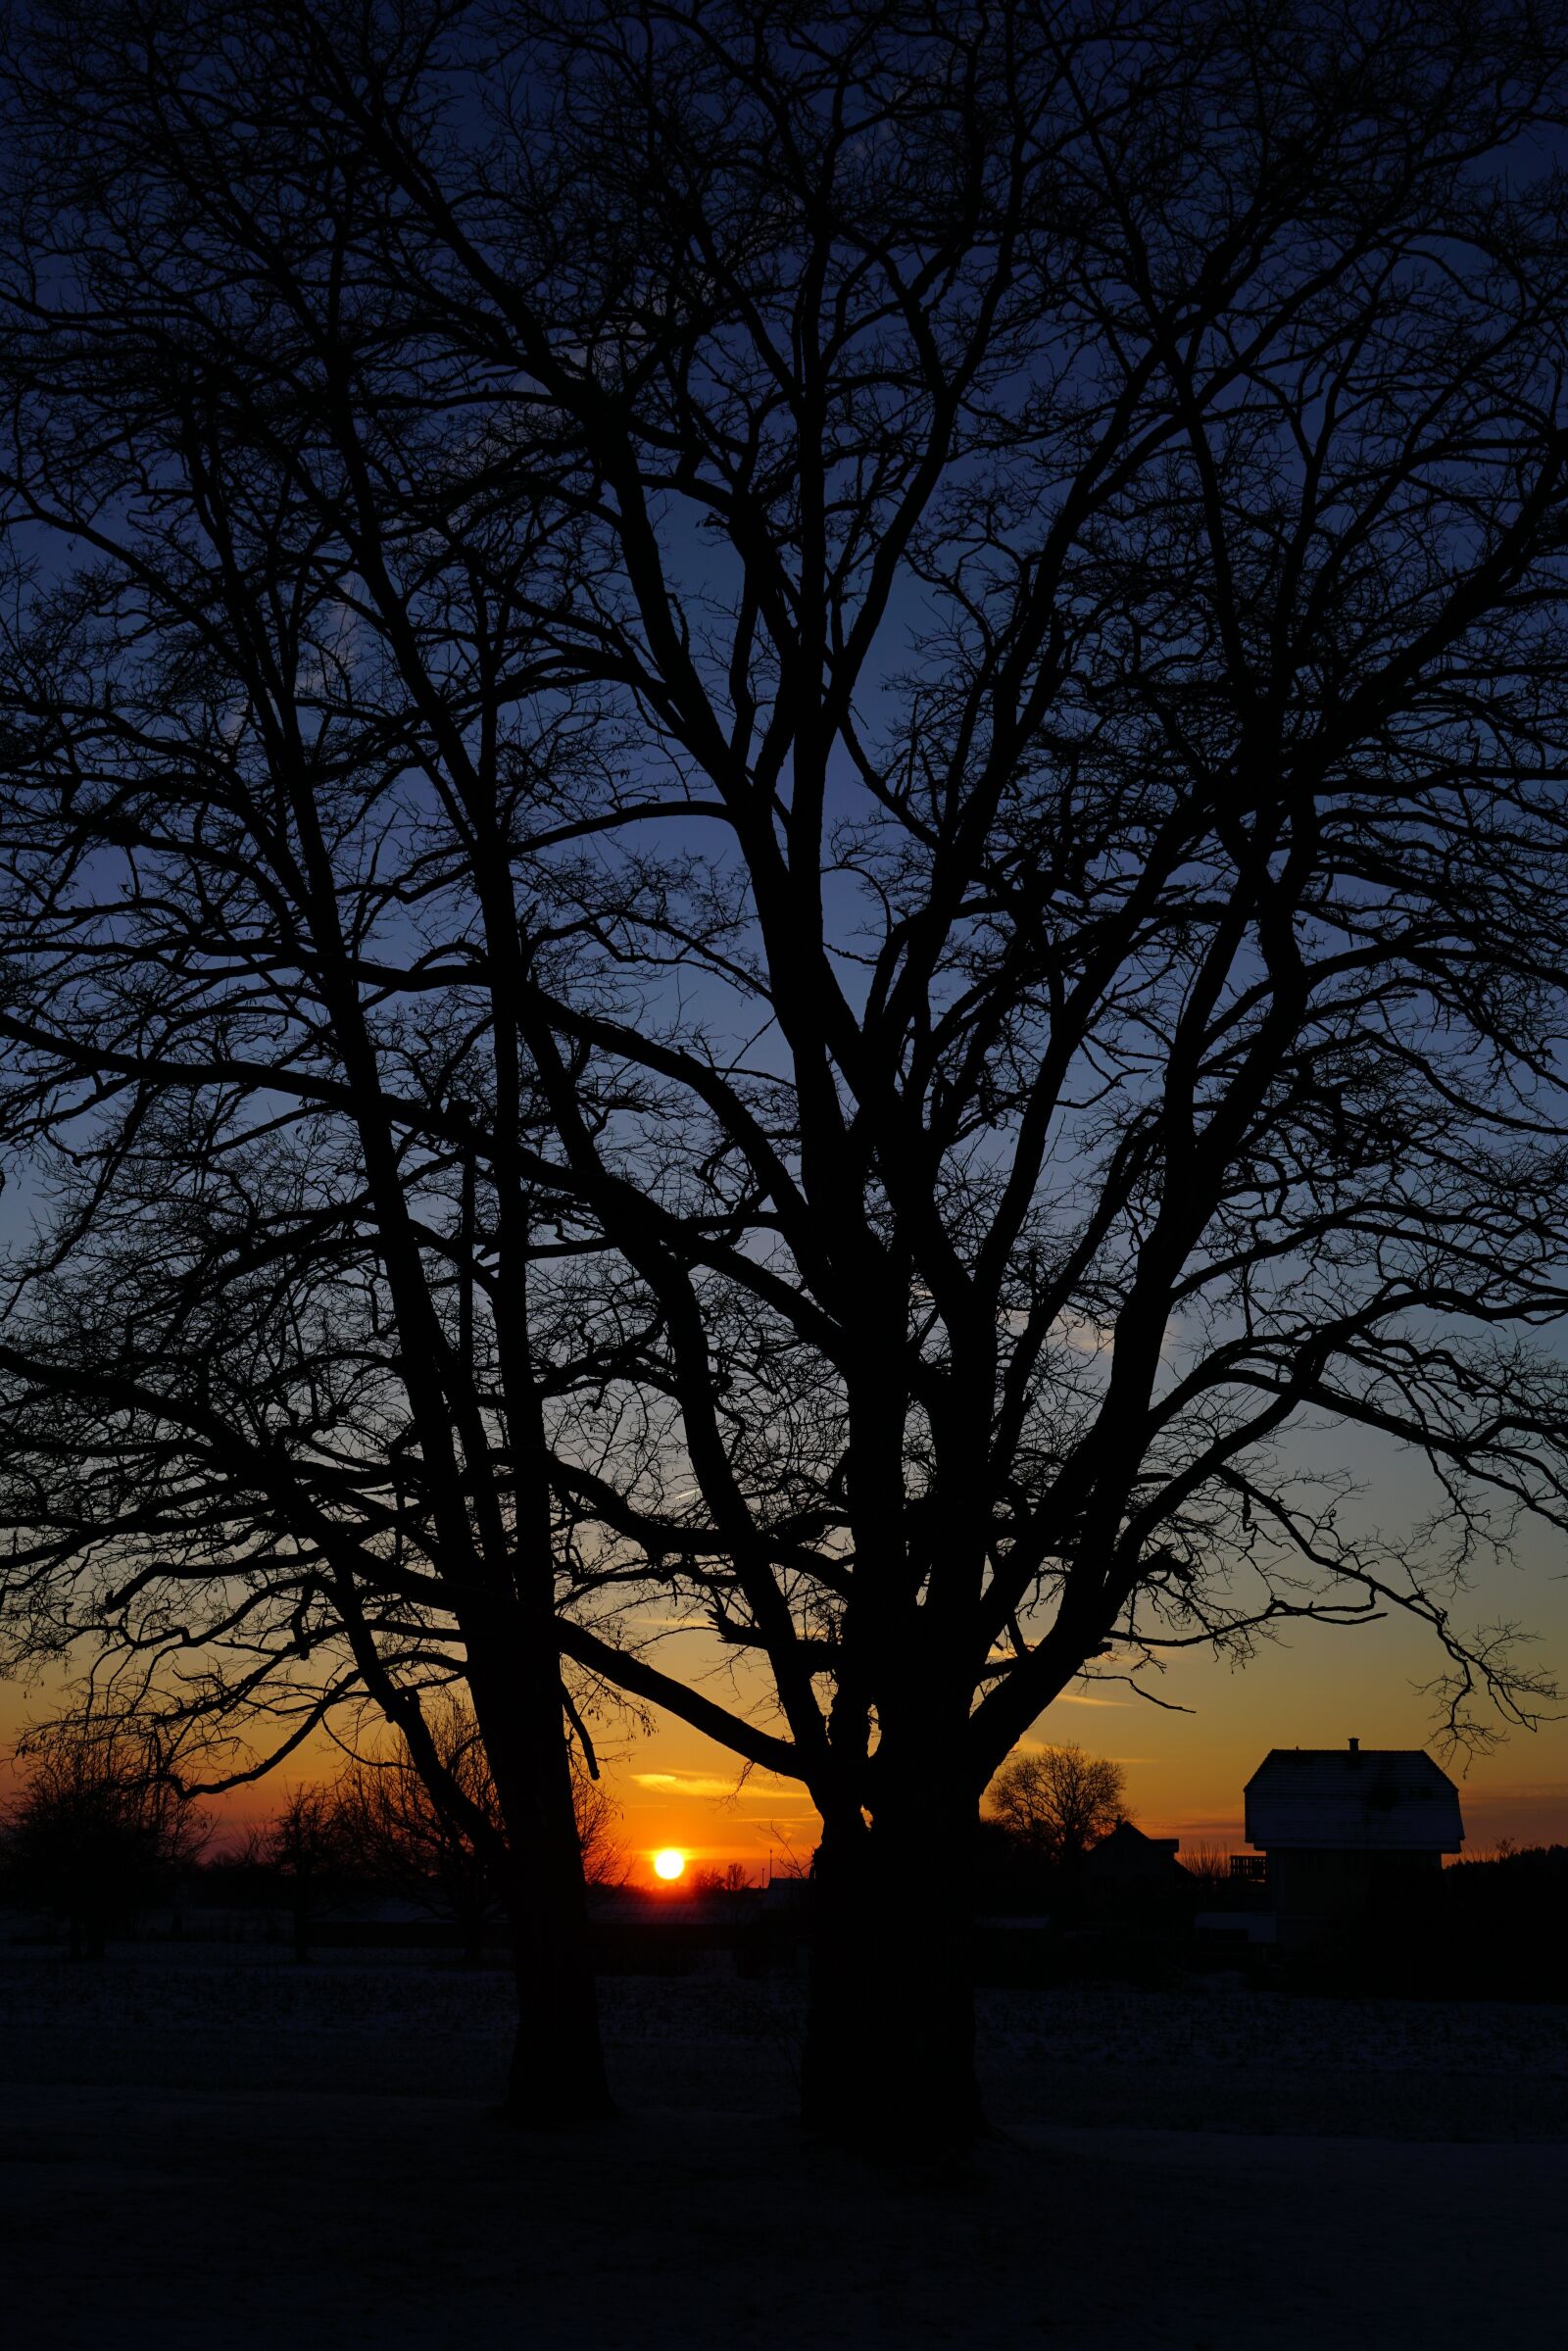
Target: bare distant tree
308	1848
1058	1801
1208	1863
783	815
733	1879
604	1855
402	1839
95	1832
405	1842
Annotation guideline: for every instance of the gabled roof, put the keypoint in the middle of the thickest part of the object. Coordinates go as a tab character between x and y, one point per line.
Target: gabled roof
1354	1799
1126	1851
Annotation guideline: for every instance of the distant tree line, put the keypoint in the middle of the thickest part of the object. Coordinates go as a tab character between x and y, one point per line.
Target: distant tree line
1493	1928
96	1835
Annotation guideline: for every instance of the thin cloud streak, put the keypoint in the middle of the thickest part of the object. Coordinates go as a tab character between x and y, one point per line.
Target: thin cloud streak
711	1785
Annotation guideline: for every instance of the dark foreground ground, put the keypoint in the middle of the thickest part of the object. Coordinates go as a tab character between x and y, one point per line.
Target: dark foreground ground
245	2157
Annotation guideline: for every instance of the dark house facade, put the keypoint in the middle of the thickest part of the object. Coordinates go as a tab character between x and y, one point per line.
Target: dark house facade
1343	1826
1126	1857
1130	1876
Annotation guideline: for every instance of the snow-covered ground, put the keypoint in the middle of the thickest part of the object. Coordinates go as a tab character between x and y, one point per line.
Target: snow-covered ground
1216	2056
213	2148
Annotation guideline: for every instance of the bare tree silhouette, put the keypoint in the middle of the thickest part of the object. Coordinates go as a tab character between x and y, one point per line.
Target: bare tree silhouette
879	694
1058	1801
95	1830
1208	1863
309	1848
402	1839
277	1370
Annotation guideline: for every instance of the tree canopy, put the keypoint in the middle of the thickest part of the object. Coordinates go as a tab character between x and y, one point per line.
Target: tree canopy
782	823
1058	1801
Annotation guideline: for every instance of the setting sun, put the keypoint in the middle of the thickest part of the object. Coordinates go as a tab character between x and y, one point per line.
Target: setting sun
670	1864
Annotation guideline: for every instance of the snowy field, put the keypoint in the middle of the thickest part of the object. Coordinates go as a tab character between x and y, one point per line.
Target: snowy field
215	2148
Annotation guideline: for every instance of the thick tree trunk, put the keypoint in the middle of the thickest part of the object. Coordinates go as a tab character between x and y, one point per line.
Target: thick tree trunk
888	2062
470	1929
558	2072
557	2065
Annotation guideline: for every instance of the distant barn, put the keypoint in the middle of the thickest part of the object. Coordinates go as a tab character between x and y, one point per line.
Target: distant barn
1126	1858
1342	1825
1130	1877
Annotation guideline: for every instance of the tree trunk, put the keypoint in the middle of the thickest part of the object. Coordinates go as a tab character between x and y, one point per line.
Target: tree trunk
558	2064
470	1929
889	2063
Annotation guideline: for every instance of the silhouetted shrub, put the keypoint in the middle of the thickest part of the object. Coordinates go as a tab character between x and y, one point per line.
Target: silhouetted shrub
96	1834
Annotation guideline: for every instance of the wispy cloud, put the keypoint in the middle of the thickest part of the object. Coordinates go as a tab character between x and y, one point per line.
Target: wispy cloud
758	1789
1040	1746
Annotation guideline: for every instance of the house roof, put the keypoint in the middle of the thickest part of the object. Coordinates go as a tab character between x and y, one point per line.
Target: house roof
1354	1799
1125	1850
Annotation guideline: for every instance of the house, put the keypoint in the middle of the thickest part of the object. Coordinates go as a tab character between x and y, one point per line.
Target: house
1125	1857
1127	1872
1343	1826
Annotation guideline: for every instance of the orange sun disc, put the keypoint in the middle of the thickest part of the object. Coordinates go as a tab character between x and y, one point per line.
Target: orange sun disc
668	1864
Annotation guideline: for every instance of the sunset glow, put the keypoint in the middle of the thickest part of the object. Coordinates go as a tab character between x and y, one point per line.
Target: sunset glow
670	1864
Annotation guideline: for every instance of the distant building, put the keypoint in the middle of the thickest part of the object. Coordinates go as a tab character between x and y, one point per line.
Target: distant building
1125	1857
1341	1826
1128	1872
